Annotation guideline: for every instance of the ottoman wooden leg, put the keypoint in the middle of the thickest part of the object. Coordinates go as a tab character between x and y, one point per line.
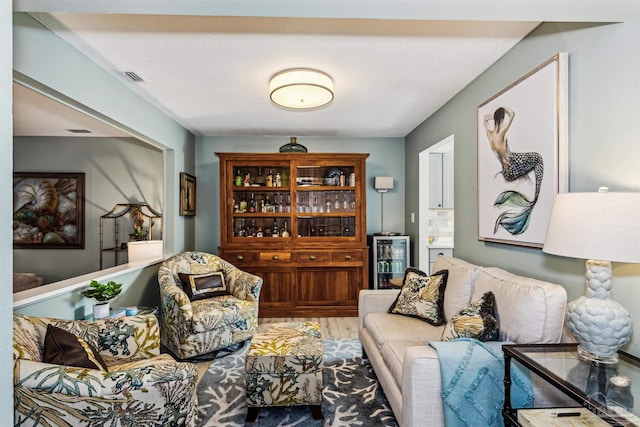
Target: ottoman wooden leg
252	413
316	412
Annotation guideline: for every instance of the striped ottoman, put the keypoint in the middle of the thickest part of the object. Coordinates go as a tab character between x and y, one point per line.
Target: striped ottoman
284	367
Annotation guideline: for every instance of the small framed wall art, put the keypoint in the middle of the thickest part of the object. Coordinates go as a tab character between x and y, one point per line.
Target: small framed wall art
48	210
187	194
523	155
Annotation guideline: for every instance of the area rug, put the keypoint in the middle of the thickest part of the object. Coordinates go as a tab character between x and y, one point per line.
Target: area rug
351	395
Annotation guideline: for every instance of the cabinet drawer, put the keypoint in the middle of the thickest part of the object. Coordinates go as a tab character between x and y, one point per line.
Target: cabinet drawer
435	252
276	256
312	257
240	258
346	256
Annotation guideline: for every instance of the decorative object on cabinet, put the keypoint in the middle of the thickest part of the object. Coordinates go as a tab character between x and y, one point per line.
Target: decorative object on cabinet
142	218
301	89
293	146
515	192
187	194
600	227
48	210
306	239
103	293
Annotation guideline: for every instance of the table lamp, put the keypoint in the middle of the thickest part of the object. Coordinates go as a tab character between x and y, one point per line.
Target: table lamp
600	227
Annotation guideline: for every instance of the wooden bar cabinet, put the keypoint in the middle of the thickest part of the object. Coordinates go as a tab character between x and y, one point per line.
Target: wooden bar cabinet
298	220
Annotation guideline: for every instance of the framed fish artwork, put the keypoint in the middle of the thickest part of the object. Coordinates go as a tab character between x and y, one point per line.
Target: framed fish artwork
48	210
523	155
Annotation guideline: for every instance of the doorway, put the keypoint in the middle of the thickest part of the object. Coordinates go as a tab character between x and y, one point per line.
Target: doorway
435	221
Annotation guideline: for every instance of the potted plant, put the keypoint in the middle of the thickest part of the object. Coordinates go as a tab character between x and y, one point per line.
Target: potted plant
102	293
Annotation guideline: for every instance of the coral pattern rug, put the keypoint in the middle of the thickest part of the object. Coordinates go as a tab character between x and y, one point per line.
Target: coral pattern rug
351	393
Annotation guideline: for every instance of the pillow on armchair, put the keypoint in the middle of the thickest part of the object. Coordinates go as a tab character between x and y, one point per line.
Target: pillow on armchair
202	286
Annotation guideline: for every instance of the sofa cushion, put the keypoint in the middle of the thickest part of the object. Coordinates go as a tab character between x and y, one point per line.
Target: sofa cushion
384	327
529	311
460	283
476	320
421	296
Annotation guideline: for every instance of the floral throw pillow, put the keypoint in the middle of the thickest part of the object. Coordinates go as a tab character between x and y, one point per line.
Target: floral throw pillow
476	320
422	296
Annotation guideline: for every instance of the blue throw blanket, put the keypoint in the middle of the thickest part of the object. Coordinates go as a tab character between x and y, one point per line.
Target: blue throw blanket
472	383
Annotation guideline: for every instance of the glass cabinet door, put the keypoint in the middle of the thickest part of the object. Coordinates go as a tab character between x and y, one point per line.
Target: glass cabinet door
261	201
325	201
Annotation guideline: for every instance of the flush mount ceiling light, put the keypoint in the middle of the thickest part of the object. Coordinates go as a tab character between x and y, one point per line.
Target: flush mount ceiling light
301	88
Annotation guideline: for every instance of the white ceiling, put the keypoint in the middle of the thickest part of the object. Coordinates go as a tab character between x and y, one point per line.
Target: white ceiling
211	73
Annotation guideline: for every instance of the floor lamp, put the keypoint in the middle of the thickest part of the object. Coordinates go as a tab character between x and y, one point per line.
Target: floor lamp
383	184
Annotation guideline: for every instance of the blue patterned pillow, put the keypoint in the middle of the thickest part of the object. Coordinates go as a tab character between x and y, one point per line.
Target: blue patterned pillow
422	296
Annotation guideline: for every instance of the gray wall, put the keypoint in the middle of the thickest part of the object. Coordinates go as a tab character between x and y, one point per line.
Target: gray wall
117	170
386	158
604	144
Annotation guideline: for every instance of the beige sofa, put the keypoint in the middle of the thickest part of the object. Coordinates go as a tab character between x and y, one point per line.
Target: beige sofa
528	311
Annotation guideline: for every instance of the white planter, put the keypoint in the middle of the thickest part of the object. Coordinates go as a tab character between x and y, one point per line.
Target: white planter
101	310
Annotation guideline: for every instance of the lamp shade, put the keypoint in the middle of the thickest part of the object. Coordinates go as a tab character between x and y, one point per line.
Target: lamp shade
144	250
301	88
599	226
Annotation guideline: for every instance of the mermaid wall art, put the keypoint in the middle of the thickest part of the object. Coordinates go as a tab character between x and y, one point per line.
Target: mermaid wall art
522	156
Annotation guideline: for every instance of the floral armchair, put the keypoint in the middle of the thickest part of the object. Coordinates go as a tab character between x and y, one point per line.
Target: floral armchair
139	386
193	327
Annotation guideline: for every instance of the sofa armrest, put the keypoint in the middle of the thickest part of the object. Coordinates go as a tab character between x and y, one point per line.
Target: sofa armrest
83	382
374	301
130	337
243	285
421	387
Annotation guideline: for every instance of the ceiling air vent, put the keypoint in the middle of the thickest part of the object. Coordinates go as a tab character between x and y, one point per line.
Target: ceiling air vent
133	76
78	130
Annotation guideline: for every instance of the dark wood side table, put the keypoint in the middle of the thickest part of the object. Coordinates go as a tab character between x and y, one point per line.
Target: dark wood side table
588	383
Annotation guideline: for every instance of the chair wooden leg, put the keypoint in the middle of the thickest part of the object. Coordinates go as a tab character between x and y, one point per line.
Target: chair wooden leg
252	413
316	412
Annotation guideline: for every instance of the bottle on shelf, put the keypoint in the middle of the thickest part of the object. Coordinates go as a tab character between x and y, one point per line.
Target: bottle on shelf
278	180
242	230
336	204
345	203
259	233
284	230
243	204
252	203
236	208
237	180
287	206
284	179
274	230
269	180
268	207
341	179
281	203
259	179
247	180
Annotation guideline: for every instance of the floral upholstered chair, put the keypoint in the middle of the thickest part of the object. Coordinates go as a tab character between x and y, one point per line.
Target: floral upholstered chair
206	304
103	372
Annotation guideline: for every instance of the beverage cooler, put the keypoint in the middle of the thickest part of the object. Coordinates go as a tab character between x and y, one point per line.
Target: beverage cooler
389	259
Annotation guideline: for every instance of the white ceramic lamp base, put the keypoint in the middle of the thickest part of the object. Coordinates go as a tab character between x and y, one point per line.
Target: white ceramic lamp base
600	325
